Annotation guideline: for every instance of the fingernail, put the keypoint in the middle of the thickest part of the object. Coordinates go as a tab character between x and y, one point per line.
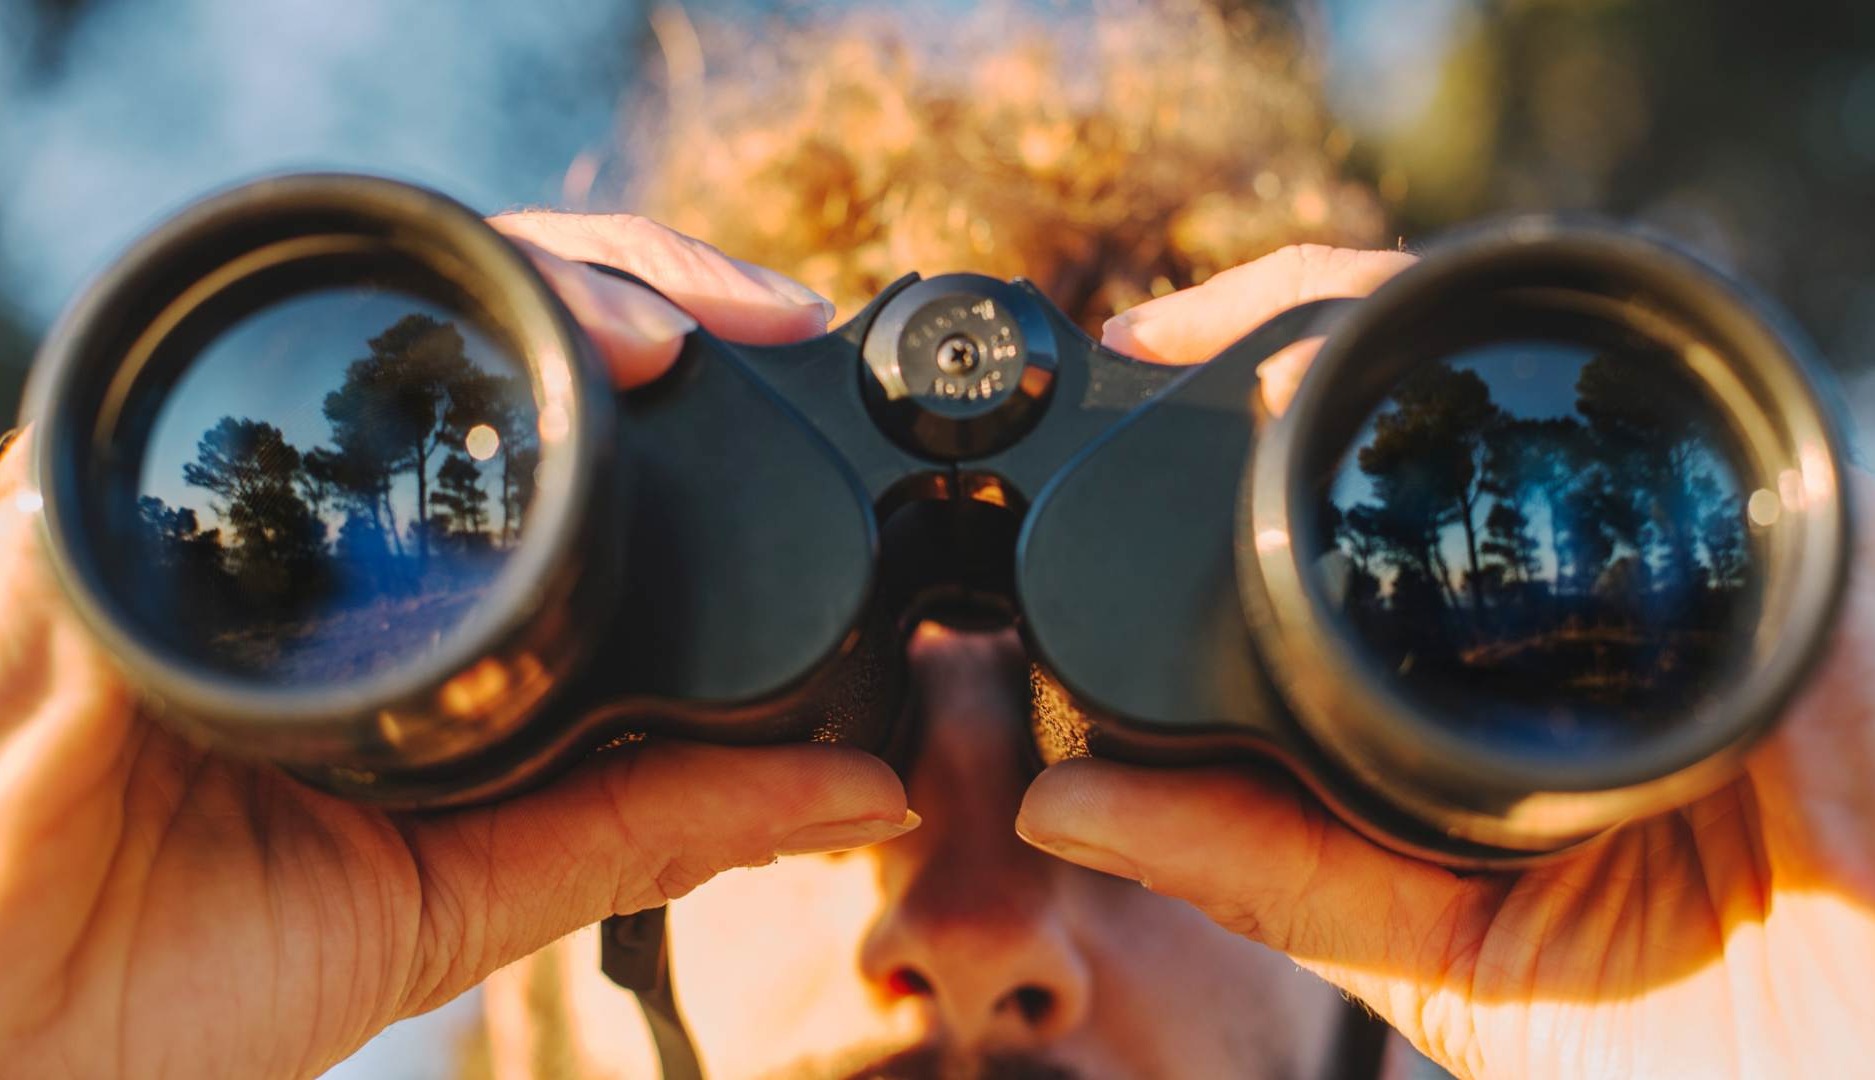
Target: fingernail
1121	321
1123	330
845	835
642	314
792	291
1094	858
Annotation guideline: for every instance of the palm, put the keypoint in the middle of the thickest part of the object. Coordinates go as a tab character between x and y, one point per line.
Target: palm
170	886
149	886
1593	966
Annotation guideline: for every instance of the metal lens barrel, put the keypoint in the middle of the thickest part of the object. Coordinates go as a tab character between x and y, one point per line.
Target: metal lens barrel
1552	529
312	455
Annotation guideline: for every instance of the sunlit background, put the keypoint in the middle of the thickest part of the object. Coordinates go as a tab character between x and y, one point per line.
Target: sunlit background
1746	129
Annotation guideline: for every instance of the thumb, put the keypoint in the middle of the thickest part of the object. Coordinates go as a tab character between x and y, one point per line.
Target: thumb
638	333
1264	860
627	830
1193	325
734	299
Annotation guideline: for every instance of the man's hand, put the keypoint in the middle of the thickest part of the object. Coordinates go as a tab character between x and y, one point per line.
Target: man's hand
167	912
1734	937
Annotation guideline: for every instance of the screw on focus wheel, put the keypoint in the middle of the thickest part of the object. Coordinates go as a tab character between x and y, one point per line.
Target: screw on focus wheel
959	366
957	356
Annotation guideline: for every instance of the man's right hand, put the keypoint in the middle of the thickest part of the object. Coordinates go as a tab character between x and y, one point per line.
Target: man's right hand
164	911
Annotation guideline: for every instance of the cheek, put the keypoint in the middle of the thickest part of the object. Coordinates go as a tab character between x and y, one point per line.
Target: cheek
765	961
1174	979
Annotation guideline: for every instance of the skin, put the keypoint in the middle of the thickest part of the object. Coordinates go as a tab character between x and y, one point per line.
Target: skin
164	911
949	948
961	940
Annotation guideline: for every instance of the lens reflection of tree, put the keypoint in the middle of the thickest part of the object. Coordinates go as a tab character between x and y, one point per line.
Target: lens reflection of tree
1600	559
285	583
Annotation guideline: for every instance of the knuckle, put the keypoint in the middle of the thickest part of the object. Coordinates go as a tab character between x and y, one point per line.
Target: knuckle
1236	915
646	872
680	875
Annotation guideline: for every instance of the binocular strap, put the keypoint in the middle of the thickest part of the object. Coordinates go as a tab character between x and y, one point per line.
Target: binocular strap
633	955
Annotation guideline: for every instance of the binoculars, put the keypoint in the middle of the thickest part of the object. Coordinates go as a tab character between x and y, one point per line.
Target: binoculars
1548	536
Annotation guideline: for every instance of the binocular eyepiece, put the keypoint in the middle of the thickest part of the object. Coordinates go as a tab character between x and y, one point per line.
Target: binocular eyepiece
1549	534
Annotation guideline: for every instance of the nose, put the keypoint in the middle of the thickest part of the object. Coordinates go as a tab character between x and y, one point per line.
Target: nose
977	932
978	939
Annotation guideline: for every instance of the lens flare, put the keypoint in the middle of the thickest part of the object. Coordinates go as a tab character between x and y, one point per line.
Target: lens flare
483	442
1763	508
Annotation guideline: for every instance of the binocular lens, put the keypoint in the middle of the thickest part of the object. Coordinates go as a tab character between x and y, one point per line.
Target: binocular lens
1547	539
330	475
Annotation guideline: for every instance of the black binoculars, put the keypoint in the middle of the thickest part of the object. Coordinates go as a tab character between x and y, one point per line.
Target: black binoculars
1548	536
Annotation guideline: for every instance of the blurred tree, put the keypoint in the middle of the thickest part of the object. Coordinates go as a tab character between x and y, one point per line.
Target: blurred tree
1747	131
16	353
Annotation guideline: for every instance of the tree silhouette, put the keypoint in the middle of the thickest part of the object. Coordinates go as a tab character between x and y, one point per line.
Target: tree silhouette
191	585
307	569
321	478
399	405
517	485
459	499
178	542
1508	543
1535	463
1426	461
503	403
1722	531
243	461
1650	442
508	408
254	473
1605	553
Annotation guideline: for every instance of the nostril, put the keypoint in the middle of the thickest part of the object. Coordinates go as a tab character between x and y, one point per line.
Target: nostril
904	982
1035	1003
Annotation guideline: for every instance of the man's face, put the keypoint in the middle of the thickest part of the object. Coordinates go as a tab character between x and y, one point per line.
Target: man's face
958	948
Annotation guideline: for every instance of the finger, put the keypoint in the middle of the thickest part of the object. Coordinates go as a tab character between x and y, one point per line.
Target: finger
1812	773
67	738
1252	851
1192	325
627	831
734	299
638	332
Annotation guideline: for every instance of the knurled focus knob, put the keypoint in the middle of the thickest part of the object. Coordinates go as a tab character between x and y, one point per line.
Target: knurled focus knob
958	366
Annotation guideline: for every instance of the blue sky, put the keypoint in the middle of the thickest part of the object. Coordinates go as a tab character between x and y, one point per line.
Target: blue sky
156	102
278	367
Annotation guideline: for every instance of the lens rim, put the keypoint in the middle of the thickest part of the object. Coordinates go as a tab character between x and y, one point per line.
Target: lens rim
522	640
1755	367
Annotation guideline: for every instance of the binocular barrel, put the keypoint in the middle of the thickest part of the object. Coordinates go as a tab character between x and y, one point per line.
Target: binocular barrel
1548	536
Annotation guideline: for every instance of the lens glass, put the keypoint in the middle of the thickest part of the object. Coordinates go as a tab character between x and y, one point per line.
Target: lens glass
328	483
1548	541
